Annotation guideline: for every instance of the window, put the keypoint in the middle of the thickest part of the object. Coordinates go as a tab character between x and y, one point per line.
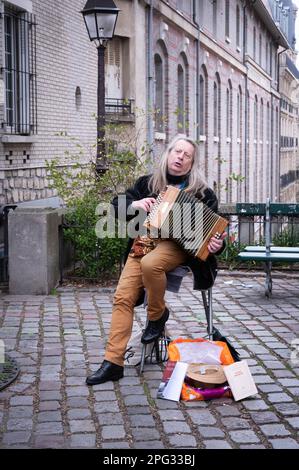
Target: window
239	113
229	110
159	94
246	32
267	56
185	6
215	18
215	106
202	105
270	59
260	49
238	26
255	116
227	18
262	121
182	99
20	72
254	43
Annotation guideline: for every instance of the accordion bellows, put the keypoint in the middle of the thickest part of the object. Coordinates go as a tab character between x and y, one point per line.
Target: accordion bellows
181	217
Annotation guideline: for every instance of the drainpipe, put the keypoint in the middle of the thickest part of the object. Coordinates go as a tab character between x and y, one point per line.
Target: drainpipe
150	80
246	165
279	120
197	71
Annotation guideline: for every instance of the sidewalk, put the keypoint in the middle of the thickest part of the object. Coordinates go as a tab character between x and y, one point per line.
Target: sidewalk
59	339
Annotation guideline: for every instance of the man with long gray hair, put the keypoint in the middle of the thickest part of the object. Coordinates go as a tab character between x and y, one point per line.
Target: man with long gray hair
179	167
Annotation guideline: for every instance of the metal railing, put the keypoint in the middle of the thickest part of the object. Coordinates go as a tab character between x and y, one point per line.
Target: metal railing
19	73
4	211
119	107
242	230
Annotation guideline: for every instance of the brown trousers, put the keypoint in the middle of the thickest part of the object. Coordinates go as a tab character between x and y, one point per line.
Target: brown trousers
149	272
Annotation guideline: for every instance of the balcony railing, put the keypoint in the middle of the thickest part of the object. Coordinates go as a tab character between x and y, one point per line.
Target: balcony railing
119	108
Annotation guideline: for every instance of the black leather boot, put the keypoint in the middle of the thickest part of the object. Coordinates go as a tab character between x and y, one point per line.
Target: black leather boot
107	371
154	328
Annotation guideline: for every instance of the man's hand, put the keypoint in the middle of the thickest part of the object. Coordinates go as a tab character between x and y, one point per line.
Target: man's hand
215	244
145	204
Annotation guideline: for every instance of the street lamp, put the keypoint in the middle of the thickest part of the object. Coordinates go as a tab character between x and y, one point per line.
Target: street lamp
100	19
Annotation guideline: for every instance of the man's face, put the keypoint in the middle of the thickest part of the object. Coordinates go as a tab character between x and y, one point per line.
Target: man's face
180	158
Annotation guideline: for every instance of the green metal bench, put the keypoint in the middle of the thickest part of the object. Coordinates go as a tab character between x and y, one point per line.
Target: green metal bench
269	254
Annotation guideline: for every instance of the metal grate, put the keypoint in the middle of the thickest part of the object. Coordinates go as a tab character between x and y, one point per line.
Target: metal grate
121	107
20	73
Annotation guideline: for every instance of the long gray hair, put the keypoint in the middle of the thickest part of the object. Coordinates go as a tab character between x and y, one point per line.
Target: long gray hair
158	180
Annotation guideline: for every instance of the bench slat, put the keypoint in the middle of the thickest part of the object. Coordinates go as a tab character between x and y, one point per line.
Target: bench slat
262	256
273	249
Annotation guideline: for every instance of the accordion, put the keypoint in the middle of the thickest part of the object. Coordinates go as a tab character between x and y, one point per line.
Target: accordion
181	217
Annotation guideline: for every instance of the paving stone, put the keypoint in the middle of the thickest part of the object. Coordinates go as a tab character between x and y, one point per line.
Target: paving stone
21	412
79	414
82	425
109	418
21	400
50	385
228	410
136	400
279	398
289	382
77	391
48	396
235	423
274	430
145	410
285	373
106	407
255	405
105	396
19	424
134	389
287	409
113	432
202	417
252	446
49	428
49	442
118	445
244	436
262	417
16	437
270	388
217	444
294	422
146	434
287	443
173	427
49	405
48	416
208	431
166	404
171	415
142	420
182	440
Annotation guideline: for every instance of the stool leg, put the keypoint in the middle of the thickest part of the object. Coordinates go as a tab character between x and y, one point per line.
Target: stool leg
208	306
142	360
210	321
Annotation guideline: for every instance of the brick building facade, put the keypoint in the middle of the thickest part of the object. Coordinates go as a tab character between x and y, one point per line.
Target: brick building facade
209	69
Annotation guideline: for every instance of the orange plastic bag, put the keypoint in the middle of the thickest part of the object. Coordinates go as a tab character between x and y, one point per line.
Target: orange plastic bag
200	350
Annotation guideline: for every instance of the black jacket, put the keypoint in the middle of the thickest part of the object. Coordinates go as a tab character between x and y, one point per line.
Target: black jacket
204	272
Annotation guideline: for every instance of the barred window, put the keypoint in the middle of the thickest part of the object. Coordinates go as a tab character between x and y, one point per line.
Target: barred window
20	72
159	94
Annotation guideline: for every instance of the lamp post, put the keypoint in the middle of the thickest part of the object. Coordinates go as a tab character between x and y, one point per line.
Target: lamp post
100	19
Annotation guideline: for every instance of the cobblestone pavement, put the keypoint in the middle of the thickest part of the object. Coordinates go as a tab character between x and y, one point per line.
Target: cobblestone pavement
59	339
